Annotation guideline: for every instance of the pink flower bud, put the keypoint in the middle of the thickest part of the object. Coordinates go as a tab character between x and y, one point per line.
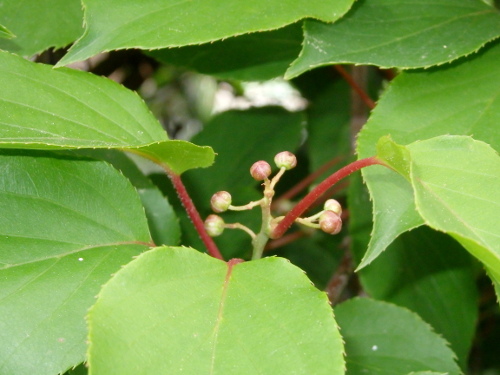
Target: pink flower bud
285	160
220	201
214	225
330	222
260	170
333	205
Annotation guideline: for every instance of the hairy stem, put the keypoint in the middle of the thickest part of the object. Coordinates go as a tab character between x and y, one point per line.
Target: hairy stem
194	215
317	192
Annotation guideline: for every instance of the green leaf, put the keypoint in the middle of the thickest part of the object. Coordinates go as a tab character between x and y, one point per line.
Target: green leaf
43	108
39	25
154	24
175	310
381	338
252	57
395	33
6	33
162	220
423	270
457	190
462	98
66	225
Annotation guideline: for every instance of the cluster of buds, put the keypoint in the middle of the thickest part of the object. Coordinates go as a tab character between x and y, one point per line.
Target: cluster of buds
327	220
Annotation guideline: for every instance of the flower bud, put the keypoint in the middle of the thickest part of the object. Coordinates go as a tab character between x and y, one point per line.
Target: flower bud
220	201
214	225
330	222
285	160
333	205
260	170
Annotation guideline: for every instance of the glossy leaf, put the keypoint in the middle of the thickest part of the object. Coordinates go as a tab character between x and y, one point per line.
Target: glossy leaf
395	33
421	105
251	57
154	24
176	310
43	108
39	25
423	270
381	338
66	225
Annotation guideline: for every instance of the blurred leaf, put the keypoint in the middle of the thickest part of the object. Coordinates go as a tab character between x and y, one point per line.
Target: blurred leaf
67	225
251	57
43	108
395	33
39	25
423	270
328	120
6	33
144	319
381	338
154	24
462	98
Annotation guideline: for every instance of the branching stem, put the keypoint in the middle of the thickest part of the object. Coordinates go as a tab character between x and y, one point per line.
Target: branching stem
317	192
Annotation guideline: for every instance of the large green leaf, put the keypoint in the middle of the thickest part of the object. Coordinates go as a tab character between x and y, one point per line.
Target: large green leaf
39	25
423	270
462	98
177	311
66	225
153	24
456	181
381	338
250	57
43	108
395	33
163	223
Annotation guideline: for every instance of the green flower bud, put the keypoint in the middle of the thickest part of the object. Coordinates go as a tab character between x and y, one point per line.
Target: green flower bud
333	205
260	170
330	222
285	160
214	225
220	201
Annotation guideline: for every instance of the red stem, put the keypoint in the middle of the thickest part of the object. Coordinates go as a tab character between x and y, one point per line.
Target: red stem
194	215
362	94
308	180
318	191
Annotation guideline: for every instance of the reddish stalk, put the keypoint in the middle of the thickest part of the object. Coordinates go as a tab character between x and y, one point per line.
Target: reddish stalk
194	215
317	192
362	94
285	240
301	185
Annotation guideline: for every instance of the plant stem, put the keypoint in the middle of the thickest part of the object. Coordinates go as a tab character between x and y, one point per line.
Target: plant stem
317	192
260	240
362	94
193	214
307	181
